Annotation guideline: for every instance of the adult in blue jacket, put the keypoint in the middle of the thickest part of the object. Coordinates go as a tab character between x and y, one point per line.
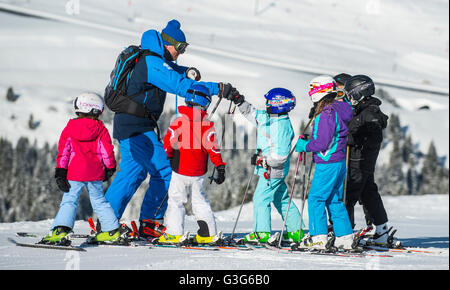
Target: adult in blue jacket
141	151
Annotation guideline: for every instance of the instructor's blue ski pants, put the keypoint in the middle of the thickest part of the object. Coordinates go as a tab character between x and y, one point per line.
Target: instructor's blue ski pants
141	155
326	192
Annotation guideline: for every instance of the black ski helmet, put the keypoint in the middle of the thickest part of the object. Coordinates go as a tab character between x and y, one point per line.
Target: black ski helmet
341	78
359	86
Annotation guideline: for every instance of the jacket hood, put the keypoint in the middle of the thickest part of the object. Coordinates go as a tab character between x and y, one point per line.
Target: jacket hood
344	110
192	113
151	40
366	102
85	129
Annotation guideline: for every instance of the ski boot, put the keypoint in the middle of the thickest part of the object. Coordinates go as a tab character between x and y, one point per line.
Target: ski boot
216	240
168	239
347	243
313	243
149	229
59	236
118	236
365	232
383	237
257	237
292	237
288	238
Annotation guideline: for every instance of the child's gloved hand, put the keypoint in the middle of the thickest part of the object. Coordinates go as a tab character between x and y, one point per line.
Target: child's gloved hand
219	176
236	97
225	90
109	172
259	160
61	179
301	145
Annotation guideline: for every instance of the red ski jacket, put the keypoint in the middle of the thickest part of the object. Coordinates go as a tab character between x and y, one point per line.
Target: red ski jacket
190	140
85	149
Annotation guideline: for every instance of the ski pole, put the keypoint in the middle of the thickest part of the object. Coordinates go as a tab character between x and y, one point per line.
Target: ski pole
304	188
243	200
299	160
344	194
303	133
304	195
245	195
211	178
215	107
160	205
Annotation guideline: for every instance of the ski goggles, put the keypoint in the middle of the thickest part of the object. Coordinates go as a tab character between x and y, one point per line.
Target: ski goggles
180	46
340	94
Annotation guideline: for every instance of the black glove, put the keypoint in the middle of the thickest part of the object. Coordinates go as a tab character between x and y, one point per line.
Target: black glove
219	176
225	90
236	97
259	160
109	172
255	156
61	179
193	74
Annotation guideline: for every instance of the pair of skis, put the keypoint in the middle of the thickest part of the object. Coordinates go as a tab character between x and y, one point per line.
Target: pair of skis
231	245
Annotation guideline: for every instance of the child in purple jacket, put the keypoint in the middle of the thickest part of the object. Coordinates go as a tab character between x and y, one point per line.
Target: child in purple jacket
328	144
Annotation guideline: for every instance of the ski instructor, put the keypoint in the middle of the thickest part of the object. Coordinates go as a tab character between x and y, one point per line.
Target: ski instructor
141	150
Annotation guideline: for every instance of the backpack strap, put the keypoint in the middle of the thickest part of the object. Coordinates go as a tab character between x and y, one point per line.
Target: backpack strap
144	53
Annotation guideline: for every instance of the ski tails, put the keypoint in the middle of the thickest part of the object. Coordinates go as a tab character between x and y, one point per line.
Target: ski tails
46	246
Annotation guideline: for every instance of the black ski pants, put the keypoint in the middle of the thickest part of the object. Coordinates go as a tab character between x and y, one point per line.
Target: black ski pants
361	187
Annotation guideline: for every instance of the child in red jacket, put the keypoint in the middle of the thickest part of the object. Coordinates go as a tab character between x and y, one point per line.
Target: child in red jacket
85	159
189	141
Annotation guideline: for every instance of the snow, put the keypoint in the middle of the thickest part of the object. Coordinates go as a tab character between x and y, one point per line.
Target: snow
422	222
406	42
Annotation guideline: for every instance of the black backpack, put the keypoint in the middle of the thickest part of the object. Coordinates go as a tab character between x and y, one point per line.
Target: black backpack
116	98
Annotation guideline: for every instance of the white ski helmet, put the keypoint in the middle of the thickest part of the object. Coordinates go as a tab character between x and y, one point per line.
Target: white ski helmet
321	86
89	103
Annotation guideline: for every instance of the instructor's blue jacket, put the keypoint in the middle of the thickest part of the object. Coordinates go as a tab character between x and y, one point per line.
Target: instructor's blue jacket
163	76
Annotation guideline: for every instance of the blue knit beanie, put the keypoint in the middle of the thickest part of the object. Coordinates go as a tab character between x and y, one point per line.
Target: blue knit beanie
173	30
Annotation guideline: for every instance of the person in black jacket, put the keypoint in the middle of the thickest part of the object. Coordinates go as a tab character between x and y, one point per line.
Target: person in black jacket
364	141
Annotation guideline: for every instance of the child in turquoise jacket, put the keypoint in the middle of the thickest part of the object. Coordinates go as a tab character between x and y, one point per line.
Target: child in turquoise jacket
273	143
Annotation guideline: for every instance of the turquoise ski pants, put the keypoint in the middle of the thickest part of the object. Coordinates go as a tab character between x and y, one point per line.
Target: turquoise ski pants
273	191
326	192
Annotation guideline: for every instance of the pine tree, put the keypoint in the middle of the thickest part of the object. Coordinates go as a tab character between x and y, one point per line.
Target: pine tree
443	177
31	123
394	128
394	181
429	177
408	157
10	96
412	177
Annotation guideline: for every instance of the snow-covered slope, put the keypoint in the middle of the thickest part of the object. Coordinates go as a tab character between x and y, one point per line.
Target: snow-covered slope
422	221
49	62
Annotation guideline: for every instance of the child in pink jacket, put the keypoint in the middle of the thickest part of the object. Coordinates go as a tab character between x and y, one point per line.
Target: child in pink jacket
85	159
